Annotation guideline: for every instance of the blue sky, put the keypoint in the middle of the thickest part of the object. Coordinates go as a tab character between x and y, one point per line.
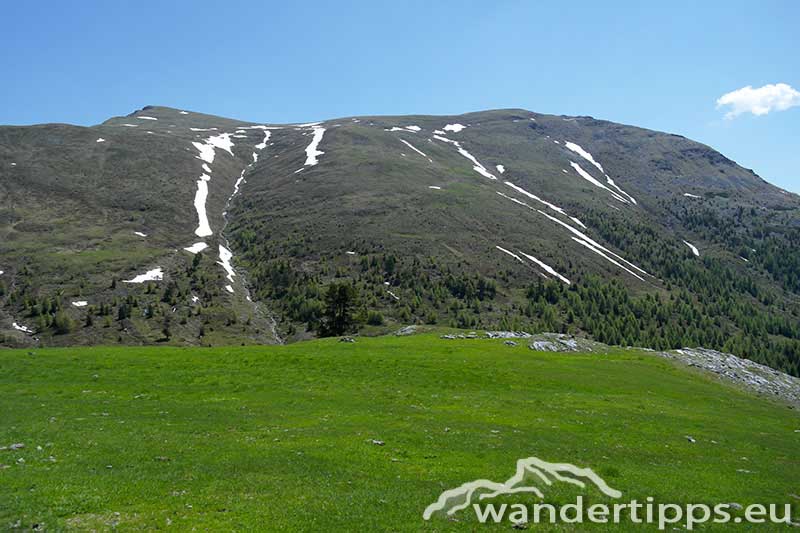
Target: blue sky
661	66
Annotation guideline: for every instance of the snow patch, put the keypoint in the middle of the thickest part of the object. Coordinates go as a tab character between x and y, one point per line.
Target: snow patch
690	195
130	125
435	187
412	129
263	144
100	140
312	151
184	112
196	247
21	328
140	234
151	275
229	289
203	227
501	169
80	303
694	249
225	257
143	117
455	128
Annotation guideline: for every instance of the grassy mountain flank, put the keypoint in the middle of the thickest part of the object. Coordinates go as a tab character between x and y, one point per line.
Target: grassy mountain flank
499	219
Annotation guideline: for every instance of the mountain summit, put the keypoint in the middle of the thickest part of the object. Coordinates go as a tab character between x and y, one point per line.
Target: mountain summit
174	226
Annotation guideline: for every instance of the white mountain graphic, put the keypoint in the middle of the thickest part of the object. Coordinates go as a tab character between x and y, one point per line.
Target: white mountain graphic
454	500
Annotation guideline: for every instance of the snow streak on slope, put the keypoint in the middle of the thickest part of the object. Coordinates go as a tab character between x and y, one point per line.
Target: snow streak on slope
203	227
690	195
225	254
584	154
420	152
584	240
312	150
592	242
543	202
600	252
207	152
80	303
477	166
512	254
588	177
547	268
695	251
587	156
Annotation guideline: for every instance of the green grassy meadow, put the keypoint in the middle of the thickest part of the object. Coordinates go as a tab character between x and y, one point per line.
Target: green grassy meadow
280	438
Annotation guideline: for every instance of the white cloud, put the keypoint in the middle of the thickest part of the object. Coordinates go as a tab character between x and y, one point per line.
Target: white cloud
770	97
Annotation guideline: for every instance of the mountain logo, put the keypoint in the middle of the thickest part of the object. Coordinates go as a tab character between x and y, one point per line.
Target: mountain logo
532	468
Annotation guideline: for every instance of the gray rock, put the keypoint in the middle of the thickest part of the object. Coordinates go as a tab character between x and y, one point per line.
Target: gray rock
507	335
347	339
510	343
544	346
408	330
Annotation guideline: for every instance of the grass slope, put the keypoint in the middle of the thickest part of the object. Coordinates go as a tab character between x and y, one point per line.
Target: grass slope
279	438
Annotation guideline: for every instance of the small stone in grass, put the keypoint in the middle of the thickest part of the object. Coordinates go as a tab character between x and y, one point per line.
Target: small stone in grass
690	439
377	442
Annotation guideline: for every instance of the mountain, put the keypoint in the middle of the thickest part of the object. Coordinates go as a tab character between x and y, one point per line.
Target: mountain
502	219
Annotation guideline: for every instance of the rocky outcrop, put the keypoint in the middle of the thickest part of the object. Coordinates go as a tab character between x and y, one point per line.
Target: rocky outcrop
752	376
